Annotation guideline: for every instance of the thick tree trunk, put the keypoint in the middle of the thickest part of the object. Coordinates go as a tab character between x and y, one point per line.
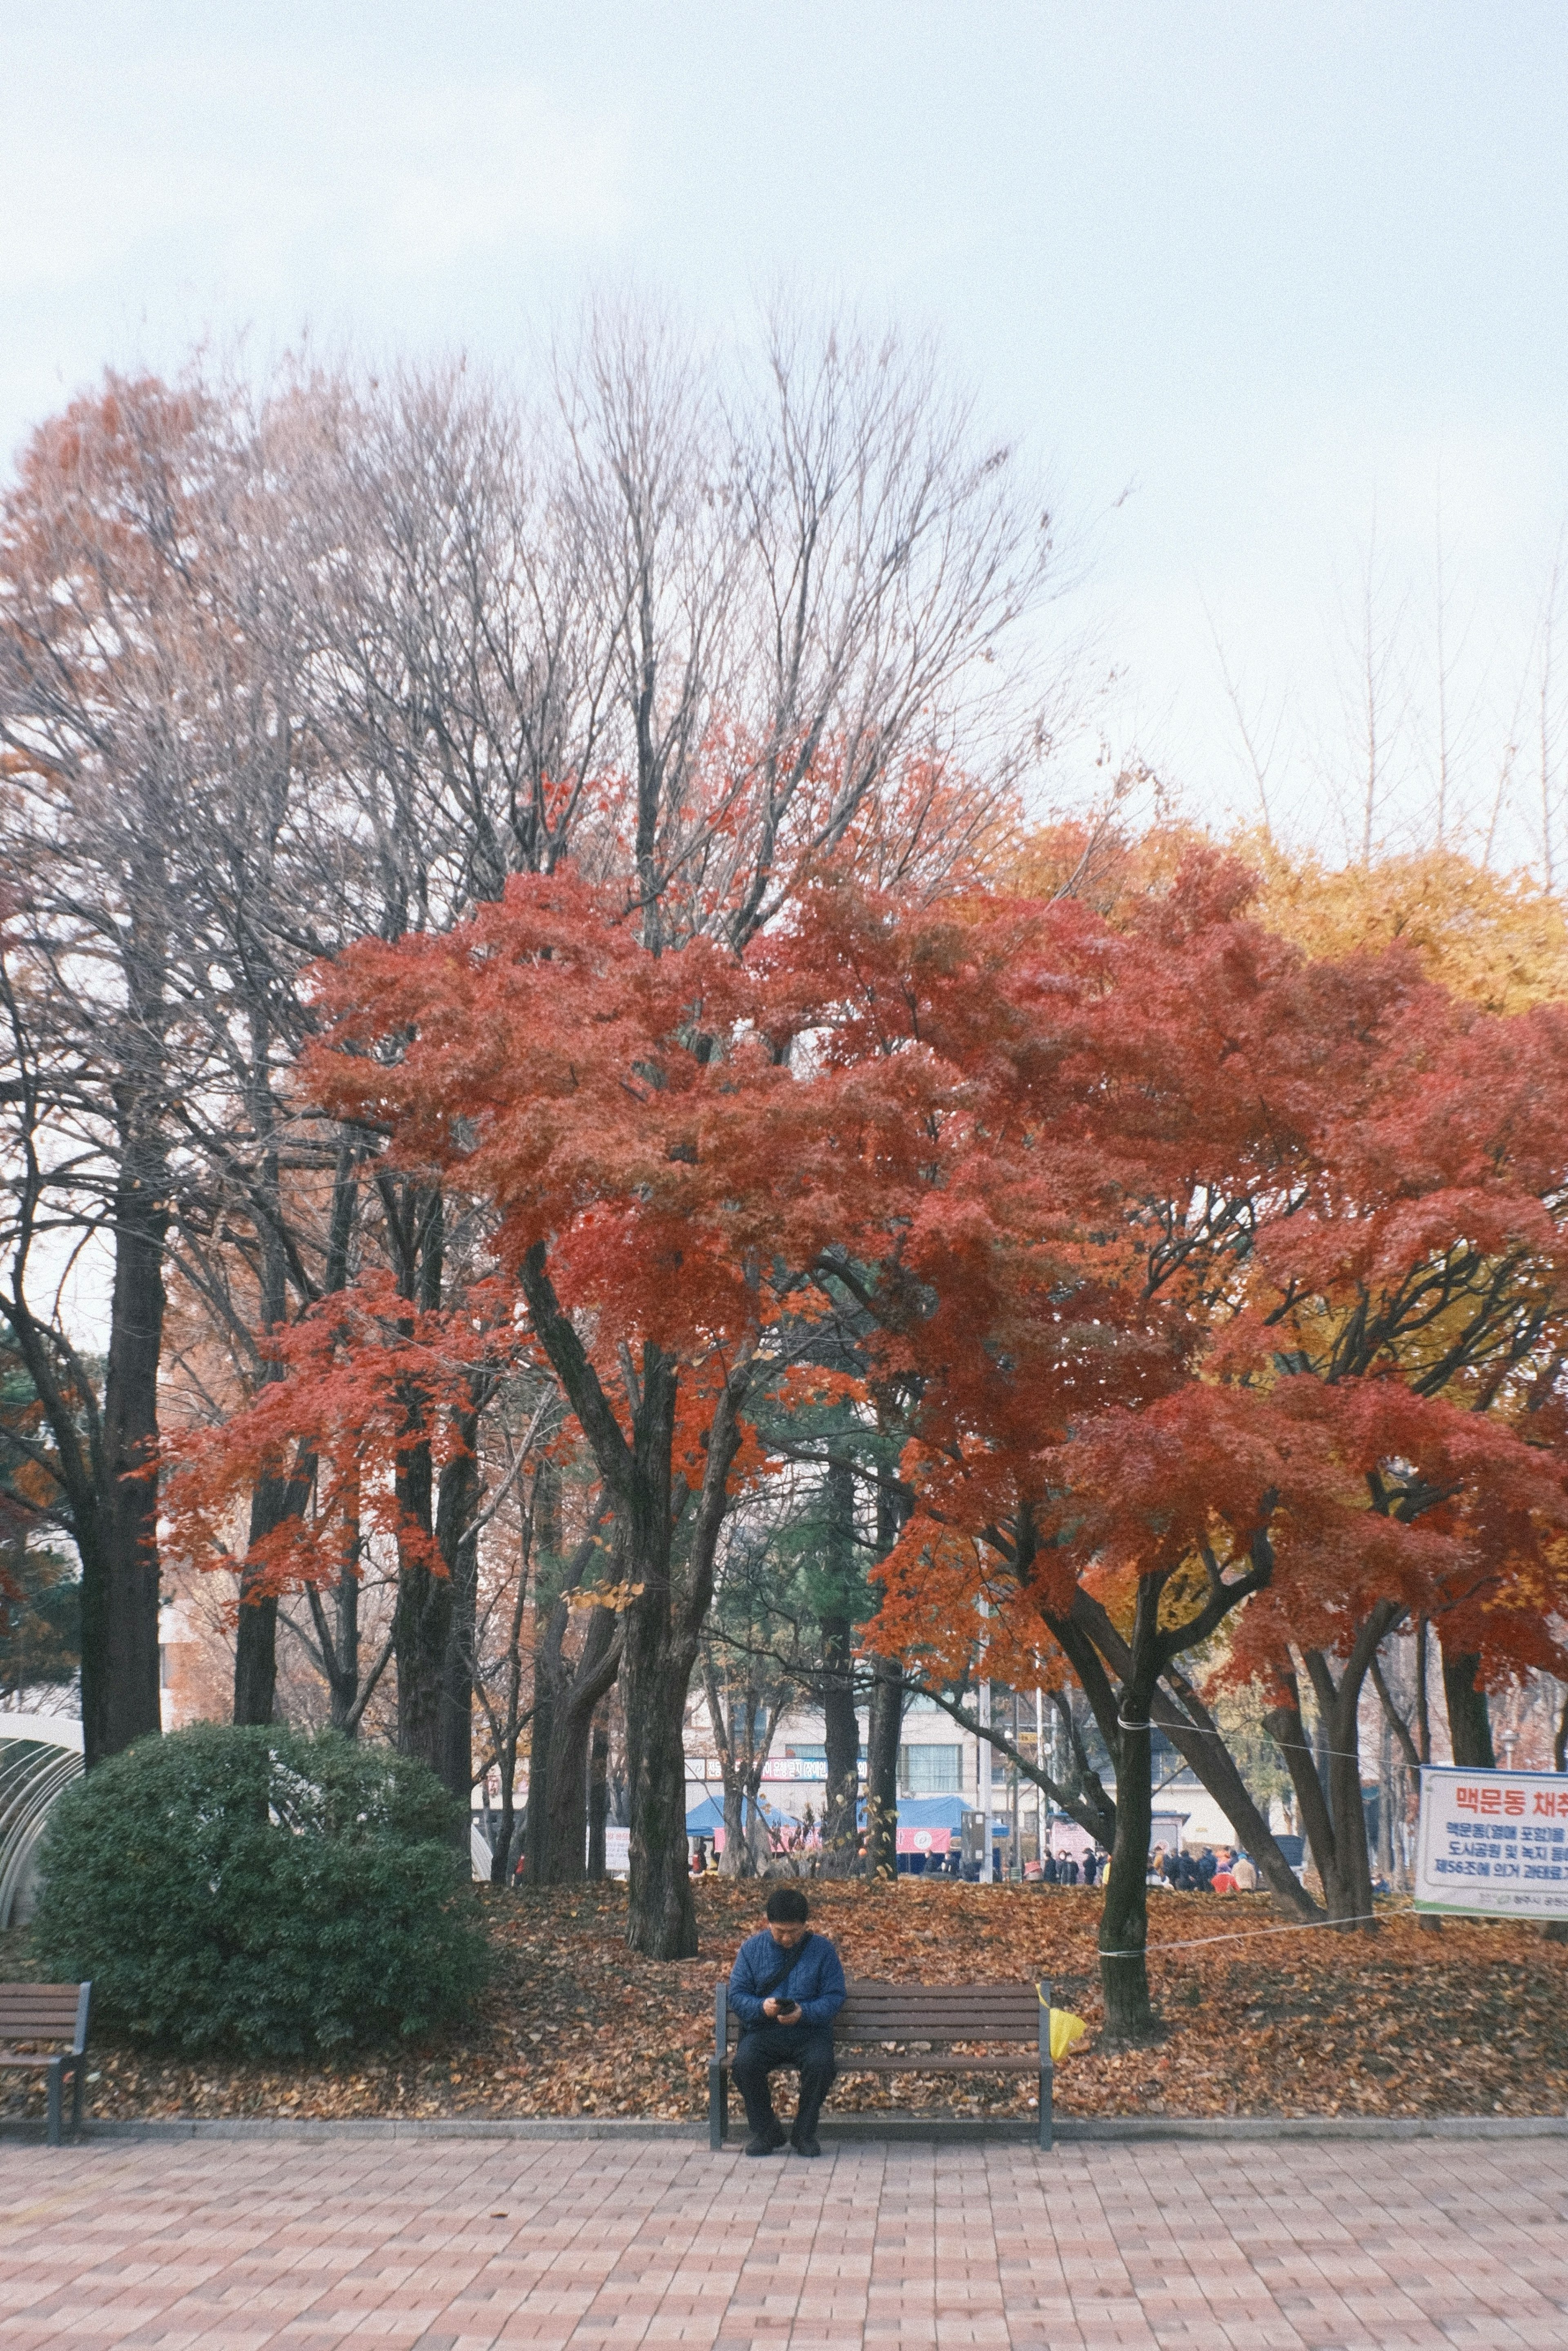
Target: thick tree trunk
344	1680
1123	1916
338	1640
509	1730
660	1653
1350	1822
460	1549
1334	1822
541	1747
422	1626
1423	1706
1387	1859
663	1621
1285	1727
736	1860
119	1575
662	1922
566	1698
256	1631
433	1621
1470	1715
736	1749
883	1732
885	1723
277	1496
841	1727
274	1500
505	1837
576	1701
841	1731
1335	1818
663	1628
441	1660
597	1802
422	1619
566	1812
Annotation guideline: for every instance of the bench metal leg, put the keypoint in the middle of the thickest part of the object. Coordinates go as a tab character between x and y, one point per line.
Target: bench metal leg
56	2082
78	2070
1048	2075
717	2101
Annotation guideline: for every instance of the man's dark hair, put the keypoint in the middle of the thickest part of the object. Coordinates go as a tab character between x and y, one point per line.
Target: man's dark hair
787	1905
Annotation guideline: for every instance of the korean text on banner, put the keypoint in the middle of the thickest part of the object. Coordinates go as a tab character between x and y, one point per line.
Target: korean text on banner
1493	1844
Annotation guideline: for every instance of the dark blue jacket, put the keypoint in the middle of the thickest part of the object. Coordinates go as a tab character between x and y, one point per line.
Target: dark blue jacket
815	1978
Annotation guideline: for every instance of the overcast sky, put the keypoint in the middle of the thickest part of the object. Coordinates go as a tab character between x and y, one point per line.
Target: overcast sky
1271	273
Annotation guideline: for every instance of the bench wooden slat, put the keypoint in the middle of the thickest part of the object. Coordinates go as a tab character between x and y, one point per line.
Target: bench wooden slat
17	1997
938	2028
976	1995
930	2063
969	2039
1009	2023
1015	2001
996	2012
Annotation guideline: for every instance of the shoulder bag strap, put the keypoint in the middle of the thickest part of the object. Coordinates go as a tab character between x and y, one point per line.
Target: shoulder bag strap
771	1986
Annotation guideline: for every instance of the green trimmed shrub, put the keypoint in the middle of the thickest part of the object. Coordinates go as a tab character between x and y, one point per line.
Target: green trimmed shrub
262	1888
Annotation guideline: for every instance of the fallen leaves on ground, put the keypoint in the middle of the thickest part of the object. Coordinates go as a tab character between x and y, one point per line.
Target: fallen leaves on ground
1405	2022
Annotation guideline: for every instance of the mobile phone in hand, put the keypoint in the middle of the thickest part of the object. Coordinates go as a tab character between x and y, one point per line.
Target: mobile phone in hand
786	2009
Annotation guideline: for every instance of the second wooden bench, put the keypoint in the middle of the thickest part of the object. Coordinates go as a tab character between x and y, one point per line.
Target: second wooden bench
34	2012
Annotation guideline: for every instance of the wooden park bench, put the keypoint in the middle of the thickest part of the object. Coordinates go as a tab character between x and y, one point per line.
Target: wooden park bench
34	2012
898	2027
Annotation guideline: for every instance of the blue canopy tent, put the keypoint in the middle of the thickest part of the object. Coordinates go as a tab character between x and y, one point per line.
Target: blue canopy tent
916	1812
706	1818
926	1824
927	1827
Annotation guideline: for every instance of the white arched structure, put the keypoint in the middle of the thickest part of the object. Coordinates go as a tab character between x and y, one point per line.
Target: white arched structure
39	1754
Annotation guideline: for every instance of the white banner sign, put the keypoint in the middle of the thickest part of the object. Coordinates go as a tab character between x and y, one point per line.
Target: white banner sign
617	1852
1494	1843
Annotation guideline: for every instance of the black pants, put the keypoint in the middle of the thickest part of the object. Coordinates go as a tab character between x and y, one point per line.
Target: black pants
767	2047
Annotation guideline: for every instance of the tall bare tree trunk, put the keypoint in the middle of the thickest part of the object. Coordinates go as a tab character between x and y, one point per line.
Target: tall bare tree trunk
885	1723
1469	1714
665	1610
273	1498
1123	1914
576	1699
884	1730
597	1802
840	1725
120	1581
1335	1816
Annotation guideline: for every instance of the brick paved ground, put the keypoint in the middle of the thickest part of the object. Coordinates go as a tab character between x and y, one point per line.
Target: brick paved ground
455	2245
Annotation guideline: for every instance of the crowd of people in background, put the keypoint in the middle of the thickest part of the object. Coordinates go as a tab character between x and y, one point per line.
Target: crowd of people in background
1223	1870
1067	1868
1226	1871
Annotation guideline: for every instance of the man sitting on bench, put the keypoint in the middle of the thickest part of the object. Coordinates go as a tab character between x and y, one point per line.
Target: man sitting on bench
786	1987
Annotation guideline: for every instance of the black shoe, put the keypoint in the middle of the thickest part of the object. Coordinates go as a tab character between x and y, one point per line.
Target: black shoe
805	2143
765	2142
